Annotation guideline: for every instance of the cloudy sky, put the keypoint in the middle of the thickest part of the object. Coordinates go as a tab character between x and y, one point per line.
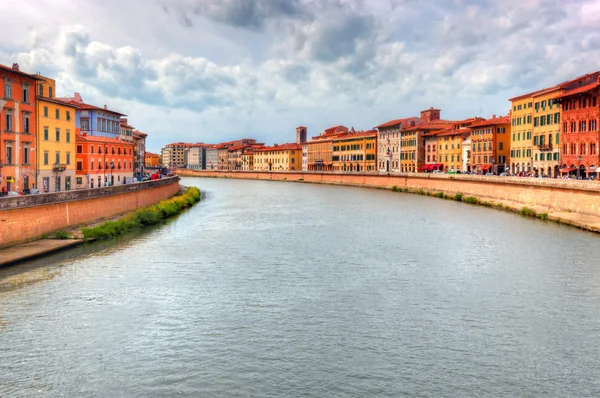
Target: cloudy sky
216	70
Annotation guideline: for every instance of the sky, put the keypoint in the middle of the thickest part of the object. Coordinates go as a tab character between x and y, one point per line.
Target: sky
217	70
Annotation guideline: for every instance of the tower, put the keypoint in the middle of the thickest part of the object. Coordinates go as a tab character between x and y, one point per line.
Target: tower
300	134
430	115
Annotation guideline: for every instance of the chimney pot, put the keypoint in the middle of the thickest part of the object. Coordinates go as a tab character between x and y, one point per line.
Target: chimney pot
105	107
493	116
15	66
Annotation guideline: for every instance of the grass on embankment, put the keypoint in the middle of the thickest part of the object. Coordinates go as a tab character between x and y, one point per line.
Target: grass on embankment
146	216
459	197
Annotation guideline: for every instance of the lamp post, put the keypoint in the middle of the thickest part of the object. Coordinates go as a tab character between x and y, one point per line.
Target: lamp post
579	166
112	166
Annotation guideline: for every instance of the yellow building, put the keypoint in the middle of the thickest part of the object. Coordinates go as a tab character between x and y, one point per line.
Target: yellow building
56	140
521	143
248	160
546	132
285	157
450	148
355	151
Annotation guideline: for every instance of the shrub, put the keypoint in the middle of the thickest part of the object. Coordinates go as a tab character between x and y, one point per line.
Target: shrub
499	205
421	192
146	216
527	212
395	188
471	199
439	195
300	179
458	197
61	235
447	197
544	216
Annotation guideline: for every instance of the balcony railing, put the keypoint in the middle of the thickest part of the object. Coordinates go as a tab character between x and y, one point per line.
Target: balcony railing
545	146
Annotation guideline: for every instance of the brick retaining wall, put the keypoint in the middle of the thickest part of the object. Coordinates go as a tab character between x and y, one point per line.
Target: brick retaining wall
41	214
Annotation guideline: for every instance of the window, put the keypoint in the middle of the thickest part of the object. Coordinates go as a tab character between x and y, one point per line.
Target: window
68	157
45	133
542	121
68	135
528	135
85	124
25	93
556	139
555	155
46	111
79	166
25	155
69	115
79	180
79	149
25	123
50	94
7	89
535	140
8	122
67	183
92	164
529	119
535	121
557	118
41	91
57	113
501	146
57	135
46	157
536	157
548	119
543	157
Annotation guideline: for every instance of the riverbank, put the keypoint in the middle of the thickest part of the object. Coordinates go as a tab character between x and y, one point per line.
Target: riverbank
108	229
574	203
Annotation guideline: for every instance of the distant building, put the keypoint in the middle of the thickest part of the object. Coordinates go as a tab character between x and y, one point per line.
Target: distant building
320	149
285	157
388	138
195	157
355	151
126	131
300	134
546	132
212	158
151	159
490	145
173	155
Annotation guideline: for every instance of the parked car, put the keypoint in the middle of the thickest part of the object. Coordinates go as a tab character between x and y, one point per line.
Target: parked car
503	175
489	174
437	172
13	193
451	171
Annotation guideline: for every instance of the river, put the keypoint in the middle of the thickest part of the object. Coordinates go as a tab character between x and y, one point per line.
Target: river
274	289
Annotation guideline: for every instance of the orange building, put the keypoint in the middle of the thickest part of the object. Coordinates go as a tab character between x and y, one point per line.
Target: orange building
449	148
103	161
490	145
320	149
284	157
17	129
152	159
356	151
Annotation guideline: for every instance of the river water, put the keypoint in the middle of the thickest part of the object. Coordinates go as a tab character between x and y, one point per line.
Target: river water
274	289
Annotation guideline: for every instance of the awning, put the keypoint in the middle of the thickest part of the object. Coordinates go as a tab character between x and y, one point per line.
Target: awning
486	167
591	170
568	170
424	168
436	166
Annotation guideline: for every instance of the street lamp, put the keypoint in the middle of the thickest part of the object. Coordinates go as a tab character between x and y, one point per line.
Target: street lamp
112	166
579	165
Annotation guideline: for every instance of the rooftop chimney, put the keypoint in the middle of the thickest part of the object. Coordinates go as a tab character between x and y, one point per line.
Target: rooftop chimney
493	116
77	98
16	66
105	106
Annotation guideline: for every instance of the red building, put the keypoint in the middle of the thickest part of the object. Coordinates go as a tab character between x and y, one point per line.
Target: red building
103	161
580	104
17	129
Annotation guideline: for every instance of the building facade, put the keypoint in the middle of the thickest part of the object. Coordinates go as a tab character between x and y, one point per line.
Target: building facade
450	148
126	131
94	120
55	152
521	143
102	161
320	149
17	129
355	152
212	157
195	157
151	160
490	145
248	160
139	152
388	143
173	155
580	103
546	132
285	157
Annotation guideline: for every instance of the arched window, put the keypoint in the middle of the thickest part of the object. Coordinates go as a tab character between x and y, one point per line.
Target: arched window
573	149
119	150
582	126
593	125
582	148
593	148
564	149
573	127
564	127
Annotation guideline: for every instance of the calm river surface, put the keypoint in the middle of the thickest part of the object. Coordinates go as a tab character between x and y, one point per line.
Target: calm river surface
299	290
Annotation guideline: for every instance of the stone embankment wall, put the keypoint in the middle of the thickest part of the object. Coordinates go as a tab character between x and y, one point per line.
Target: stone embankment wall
582	197
26	218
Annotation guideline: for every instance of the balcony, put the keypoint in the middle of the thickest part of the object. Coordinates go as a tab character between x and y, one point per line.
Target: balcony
545	146
59	167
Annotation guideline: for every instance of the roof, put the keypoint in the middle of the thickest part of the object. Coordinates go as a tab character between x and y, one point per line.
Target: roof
452	131
548	90
522	96
96	138
282	147
55	101
18	72
492	121
579	90
350	136
140	134
235	148
301	127
398	121
84	106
